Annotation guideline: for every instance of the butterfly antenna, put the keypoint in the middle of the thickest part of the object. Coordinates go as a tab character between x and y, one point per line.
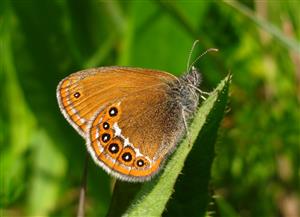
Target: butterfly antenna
205	52
190	54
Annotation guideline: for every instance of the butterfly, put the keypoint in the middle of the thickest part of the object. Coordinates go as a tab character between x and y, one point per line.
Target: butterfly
131	118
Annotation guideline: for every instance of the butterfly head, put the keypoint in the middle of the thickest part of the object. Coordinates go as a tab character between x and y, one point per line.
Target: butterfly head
192	77
186	91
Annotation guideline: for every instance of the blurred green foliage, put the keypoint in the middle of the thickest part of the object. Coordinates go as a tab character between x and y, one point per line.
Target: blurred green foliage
256	172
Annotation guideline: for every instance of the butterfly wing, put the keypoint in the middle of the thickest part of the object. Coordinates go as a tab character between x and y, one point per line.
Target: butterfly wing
129	117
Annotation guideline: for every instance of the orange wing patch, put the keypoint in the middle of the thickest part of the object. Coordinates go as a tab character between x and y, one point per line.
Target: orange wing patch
66	102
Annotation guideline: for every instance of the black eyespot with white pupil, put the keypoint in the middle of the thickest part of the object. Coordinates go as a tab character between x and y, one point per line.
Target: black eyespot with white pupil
113	112
77	95
114	148
106	126
105	137
140	163
127	157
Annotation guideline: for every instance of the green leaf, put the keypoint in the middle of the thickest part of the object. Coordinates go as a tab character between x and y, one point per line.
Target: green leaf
150	199
195	178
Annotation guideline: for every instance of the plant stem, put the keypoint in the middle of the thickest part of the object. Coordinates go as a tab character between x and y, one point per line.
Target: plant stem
81	210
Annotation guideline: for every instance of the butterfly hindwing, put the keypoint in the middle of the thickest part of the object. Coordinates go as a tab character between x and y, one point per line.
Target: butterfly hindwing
132	144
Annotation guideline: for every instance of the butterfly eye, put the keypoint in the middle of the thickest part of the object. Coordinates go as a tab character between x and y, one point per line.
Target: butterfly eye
113	112
105	126
77	95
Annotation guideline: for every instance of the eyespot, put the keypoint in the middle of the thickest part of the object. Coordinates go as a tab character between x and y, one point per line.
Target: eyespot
141	162
113	148
105	137
127	157
113	111
77	95
105	125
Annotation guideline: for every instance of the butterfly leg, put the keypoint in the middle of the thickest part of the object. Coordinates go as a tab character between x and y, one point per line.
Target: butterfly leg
203	94
186	127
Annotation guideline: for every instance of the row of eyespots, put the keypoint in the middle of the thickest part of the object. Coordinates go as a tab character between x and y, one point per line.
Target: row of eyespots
114	148
127	155
113	111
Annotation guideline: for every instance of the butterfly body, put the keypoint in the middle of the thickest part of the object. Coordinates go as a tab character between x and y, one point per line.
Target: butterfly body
131	118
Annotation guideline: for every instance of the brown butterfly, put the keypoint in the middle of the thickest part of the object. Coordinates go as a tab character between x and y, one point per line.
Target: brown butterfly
131	118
